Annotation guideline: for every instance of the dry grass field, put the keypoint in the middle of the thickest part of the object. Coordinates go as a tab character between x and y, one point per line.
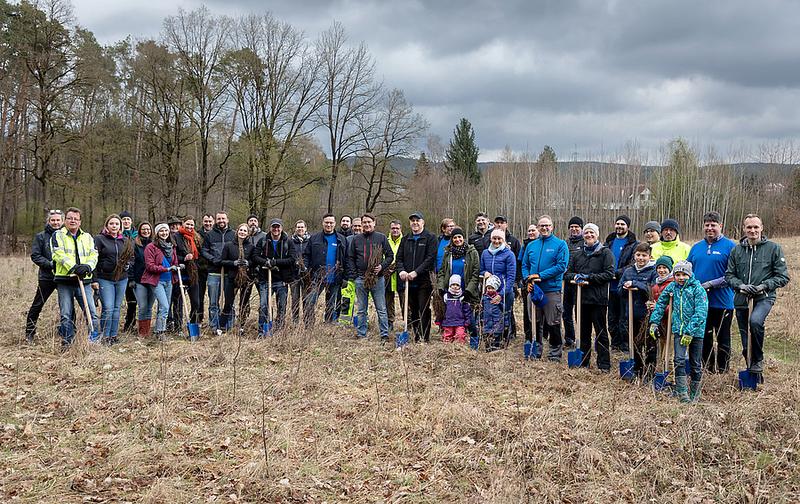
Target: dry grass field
322	417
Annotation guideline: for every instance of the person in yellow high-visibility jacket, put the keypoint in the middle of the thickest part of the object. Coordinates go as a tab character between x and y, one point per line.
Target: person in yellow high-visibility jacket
394	288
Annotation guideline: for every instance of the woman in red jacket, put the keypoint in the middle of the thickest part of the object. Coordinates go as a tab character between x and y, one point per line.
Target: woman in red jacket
160	270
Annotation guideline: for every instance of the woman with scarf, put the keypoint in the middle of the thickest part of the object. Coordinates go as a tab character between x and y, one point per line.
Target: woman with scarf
593	268
461	258
114	260
187	245
144	298
130	291
236	260
160	272
499	260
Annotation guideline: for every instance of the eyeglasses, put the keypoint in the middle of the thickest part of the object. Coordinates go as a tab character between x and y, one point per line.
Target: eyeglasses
56	212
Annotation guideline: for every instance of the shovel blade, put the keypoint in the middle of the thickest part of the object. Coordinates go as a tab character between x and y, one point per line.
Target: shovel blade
660	380
401	339
193	330
748	380
626	369
266	330
575	358
532	350
94	337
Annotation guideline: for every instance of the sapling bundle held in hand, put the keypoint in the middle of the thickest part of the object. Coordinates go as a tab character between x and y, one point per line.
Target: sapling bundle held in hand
438	302
370	277
242	278
124	260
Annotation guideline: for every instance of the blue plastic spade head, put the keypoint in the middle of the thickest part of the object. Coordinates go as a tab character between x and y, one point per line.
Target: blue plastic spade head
575	358
194	331
747	380
536	350
266	330
527	349
660	381
626	369
474	342
401	339
94	337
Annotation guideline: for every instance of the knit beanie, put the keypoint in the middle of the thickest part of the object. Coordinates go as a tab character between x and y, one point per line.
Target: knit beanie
576	221
494	282
454	279
683	267
672	224
592	227
654	225
457	231
625	219
664	261
124	214
159	227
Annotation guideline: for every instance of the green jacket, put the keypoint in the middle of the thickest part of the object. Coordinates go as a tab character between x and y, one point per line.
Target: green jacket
676	249
68	251
471	277
761	264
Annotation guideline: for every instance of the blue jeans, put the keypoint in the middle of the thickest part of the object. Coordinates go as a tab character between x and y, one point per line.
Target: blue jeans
761	309
281	292
695	356
68	295
213	286
163	294
332	292
379	299
112	295
145	299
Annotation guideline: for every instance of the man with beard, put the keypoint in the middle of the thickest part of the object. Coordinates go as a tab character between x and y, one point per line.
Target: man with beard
575	245
211	251
622	243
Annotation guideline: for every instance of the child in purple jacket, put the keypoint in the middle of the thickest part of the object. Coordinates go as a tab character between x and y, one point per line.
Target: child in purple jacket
457	313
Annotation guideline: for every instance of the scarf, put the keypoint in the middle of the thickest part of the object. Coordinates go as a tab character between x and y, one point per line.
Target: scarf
494	250
660	280
454	291
458	252
591	250
166	248
189	237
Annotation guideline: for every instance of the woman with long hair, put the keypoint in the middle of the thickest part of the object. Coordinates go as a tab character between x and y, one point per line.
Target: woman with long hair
236	260
187	245
160	272
115	258
144	297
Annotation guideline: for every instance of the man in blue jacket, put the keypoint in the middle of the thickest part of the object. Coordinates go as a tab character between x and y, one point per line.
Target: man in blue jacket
324	257
545	260
709	260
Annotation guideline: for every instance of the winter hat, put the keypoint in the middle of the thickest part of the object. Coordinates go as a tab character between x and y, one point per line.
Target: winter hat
454	287
457	231
592	227
624	218
576	220
173	220
654	225
252	216
454	279
494	282
500	233
672	224
159	227
664	261
683	267
124	214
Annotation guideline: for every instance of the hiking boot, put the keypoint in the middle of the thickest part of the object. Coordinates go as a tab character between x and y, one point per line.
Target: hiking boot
682	389
694	391
757	367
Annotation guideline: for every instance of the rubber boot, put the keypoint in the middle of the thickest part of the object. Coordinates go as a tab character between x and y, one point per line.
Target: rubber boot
694	391
144	328
681	389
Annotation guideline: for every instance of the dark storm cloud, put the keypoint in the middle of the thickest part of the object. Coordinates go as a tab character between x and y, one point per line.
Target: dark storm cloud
578	75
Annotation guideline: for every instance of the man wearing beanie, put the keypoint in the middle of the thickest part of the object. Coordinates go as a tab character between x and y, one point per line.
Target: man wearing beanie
415	260
575	245
671	243
621	242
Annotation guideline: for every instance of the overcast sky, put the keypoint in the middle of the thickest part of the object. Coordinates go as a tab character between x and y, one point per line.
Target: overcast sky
582	76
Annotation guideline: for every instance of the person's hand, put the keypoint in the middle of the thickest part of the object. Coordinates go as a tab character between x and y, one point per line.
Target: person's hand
486	274
404	276
581	279
534	277
377	269
650	304
760	288
496	299
686	340
268	264
706	285
628	284
412	276
529	287
181	267
82	270
175	268
655	332
747	289
95	286
188	257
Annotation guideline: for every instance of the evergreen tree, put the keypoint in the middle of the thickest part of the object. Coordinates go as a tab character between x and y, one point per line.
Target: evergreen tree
423	166
462	153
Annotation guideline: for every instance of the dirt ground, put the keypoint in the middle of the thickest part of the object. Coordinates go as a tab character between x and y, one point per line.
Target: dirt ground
321	417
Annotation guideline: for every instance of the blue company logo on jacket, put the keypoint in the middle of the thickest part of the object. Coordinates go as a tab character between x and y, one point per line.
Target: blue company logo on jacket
547	257
689	308
709	262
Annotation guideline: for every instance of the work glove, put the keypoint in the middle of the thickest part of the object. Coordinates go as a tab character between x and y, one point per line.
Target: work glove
706	285
174	268
760	288
581	279
268	264
655	332
747	289
686	340
82	270
242	262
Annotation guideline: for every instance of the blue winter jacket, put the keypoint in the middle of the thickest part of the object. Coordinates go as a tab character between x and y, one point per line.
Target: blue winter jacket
689	308
642	280
547	257
503	264
709	262
493	320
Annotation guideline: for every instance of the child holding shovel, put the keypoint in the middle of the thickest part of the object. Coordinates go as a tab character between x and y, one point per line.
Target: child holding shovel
689	312
636	281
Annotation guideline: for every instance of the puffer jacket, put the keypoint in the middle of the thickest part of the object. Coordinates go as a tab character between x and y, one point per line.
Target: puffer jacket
642	280
69	251
658	288
547	257
457	312
109	248
42	252
689	308
502	264
471	277
493	320
598	266
760	264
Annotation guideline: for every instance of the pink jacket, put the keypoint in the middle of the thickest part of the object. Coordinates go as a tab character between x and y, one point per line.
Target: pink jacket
153	267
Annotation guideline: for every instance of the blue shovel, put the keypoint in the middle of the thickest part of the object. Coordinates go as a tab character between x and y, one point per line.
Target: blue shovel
575	357
192	327
532	349
401	338
626	367
748	380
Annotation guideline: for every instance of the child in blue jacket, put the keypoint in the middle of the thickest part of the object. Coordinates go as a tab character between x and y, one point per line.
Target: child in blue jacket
494	320
640	276
689	313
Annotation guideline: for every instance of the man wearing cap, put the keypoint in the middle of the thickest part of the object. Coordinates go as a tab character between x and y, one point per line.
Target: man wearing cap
671	243
394	287
415	260
483	231
621	243
324	258
544	261
652	233
756	270
275	252
575	245
211	251
709	259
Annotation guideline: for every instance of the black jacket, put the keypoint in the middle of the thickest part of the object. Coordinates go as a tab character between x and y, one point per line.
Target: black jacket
214	243
626	258
315	256
42	252
361	248
417	255
282	255
599	267
300	243
138	258
230	254
202	263
108	251
574	244
477	239
345	232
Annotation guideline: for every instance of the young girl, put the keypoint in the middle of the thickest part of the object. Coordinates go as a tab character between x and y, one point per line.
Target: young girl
457	313
689	313
493	314
115	258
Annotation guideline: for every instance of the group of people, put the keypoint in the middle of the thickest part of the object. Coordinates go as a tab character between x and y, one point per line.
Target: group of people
466	284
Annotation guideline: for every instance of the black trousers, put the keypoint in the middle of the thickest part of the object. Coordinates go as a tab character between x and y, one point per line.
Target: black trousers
419	311
202	279
719	323
569	314
617	325
44	290
594	316
130	303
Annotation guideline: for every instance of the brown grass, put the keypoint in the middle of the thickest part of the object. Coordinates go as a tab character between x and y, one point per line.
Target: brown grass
349	420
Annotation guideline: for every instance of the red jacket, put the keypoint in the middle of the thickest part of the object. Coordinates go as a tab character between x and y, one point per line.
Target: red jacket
153	267
659	288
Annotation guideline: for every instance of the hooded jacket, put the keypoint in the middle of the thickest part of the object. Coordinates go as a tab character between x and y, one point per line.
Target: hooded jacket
109	249
315	257
457	311
362	247
281	254
676	249
502	264
42	253
470	278
418	253
213	245
598	266
548	257
492	316
626	257
689	308
760	264
642	280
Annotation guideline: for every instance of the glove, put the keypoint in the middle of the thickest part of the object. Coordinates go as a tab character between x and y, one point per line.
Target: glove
242	262
759	289
580	279
706	285
655	332
82	270
182	267
174	268
748	289
686	340
268	264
